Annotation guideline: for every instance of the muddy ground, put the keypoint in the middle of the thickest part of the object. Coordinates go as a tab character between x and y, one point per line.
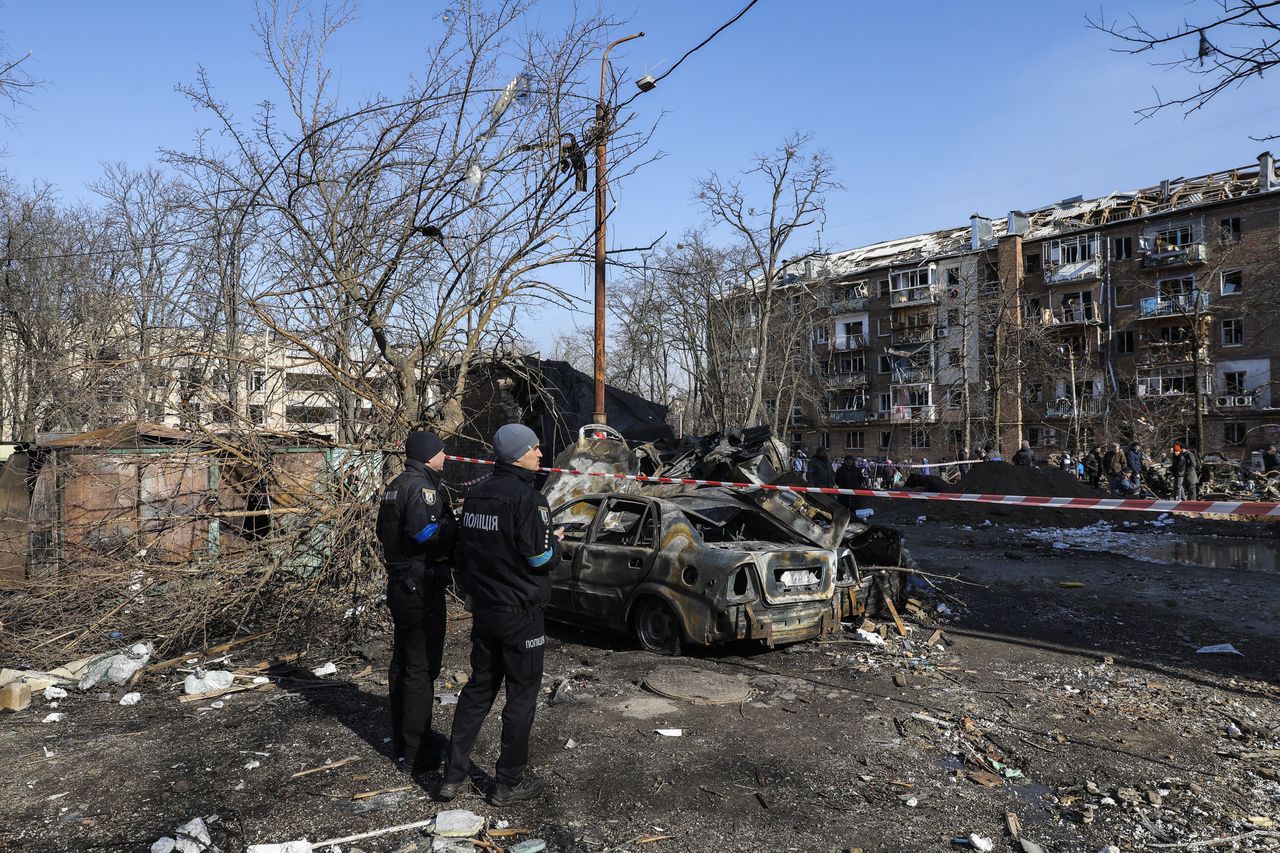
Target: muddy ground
1107	726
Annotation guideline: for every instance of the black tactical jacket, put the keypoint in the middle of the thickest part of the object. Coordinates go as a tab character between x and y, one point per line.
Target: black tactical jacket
506	549
415	521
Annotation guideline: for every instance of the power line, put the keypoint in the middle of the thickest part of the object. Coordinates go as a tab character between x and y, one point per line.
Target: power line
693	50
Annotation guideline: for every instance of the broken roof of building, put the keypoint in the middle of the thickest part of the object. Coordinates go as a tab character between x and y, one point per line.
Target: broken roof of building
131	435
1068	215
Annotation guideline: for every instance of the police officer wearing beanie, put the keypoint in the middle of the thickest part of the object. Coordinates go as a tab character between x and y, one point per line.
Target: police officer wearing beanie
506	551
417	531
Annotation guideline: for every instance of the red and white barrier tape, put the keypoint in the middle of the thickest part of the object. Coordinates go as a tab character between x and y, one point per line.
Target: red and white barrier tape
1255	508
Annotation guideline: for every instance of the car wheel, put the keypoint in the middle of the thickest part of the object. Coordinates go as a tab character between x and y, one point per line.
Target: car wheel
656	627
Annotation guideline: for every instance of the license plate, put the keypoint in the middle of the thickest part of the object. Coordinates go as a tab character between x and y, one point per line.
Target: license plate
798	578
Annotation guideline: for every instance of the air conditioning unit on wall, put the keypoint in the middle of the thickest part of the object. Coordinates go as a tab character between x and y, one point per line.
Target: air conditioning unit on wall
1244	401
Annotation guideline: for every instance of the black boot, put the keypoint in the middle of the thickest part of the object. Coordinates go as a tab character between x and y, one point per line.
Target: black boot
530	787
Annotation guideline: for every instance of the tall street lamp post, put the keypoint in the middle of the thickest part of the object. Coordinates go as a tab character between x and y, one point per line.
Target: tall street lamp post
603	121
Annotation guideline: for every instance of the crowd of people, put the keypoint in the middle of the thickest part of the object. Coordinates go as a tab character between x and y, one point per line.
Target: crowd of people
1123	469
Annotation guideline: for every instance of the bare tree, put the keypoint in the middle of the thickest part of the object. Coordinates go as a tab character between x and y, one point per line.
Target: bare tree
16	81
399	233
791	183
1227	45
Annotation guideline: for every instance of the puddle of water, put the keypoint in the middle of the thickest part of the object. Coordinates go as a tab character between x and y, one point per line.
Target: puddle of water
1217	553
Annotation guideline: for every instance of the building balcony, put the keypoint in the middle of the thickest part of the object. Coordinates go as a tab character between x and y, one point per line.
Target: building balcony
1173	305
850	379
912	334
912	376
1173	352
1084	407
923	295
846	343
847	305
1176	256
1080	315
913	414
847	416
1072	272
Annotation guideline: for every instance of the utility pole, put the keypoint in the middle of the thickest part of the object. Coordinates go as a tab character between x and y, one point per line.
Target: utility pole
603	121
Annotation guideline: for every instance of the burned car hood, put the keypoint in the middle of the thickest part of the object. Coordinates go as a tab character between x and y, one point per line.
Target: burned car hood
815	518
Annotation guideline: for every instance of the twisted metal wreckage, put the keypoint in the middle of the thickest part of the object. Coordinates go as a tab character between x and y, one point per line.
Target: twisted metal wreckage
676	564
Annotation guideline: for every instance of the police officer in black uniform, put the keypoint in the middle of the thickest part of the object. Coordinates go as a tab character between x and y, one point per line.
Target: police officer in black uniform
417	531
506	551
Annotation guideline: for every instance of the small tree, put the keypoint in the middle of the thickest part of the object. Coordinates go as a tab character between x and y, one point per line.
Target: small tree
792	187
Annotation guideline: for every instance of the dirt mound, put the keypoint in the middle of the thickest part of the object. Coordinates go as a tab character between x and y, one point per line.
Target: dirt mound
1001	478
925	482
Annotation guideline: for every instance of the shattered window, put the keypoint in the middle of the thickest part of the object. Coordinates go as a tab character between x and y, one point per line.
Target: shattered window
1233	434
576	519
1233	282
736	524
634	522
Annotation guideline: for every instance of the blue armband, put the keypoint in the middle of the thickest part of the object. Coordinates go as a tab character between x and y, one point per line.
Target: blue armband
426	533
542	558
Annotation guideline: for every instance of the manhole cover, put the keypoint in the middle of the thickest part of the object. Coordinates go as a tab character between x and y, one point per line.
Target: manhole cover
698	686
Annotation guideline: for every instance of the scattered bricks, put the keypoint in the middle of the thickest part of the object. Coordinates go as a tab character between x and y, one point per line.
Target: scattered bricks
15	696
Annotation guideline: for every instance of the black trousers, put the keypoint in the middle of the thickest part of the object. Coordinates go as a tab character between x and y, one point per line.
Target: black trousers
506	645
416	599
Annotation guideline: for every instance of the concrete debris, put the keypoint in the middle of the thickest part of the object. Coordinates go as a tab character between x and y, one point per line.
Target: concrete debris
457	823
669	732
530	845
207	681
868	637
130	699
35	679
440	844
979	842
328	668
302	846
55	717
116	669
51	693
15	696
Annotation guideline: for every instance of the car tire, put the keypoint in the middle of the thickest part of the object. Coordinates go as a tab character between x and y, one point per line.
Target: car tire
656	627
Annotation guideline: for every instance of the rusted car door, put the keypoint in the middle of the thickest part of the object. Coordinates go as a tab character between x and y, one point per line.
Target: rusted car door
618	555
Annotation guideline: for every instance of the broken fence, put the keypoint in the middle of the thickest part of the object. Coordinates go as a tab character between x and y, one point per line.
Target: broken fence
1250	508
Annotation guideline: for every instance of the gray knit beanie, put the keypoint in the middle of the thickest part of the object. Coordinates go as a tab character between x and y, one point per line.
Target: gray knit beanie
512	441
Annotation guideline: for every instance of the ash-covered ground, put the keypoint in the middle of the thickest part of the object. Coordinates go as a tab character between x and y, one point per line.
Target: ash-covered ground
1066	690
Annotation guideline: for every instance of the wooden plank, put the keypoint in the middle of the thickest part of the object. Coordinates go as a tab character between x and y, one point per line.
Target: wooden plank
897	620
219	649
367	794
350	759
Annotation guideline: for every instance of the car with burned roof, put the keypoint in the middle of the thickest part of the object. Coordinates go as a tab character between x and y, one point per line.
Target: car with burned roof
702	567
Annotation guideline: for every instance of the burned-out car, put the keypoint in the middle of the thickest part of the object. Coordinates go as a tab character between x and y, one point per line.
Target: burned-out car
675	563
702	567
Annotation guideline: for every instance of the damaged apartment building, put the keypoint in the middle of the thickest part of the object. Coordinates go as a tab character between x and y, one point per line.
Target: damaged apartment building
1146	315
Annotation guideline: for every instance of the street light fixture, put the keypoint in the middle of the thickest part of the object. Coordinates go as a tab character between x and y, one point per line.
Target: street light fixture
603	120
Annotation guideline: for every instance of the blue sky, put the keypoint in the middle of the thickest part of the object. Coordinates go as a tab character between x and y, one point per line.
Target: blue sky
931	110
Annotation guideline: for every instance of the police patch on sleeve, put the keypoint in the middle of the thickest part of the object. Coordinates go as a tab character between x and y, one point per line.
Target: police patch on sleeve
429	496
545	515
